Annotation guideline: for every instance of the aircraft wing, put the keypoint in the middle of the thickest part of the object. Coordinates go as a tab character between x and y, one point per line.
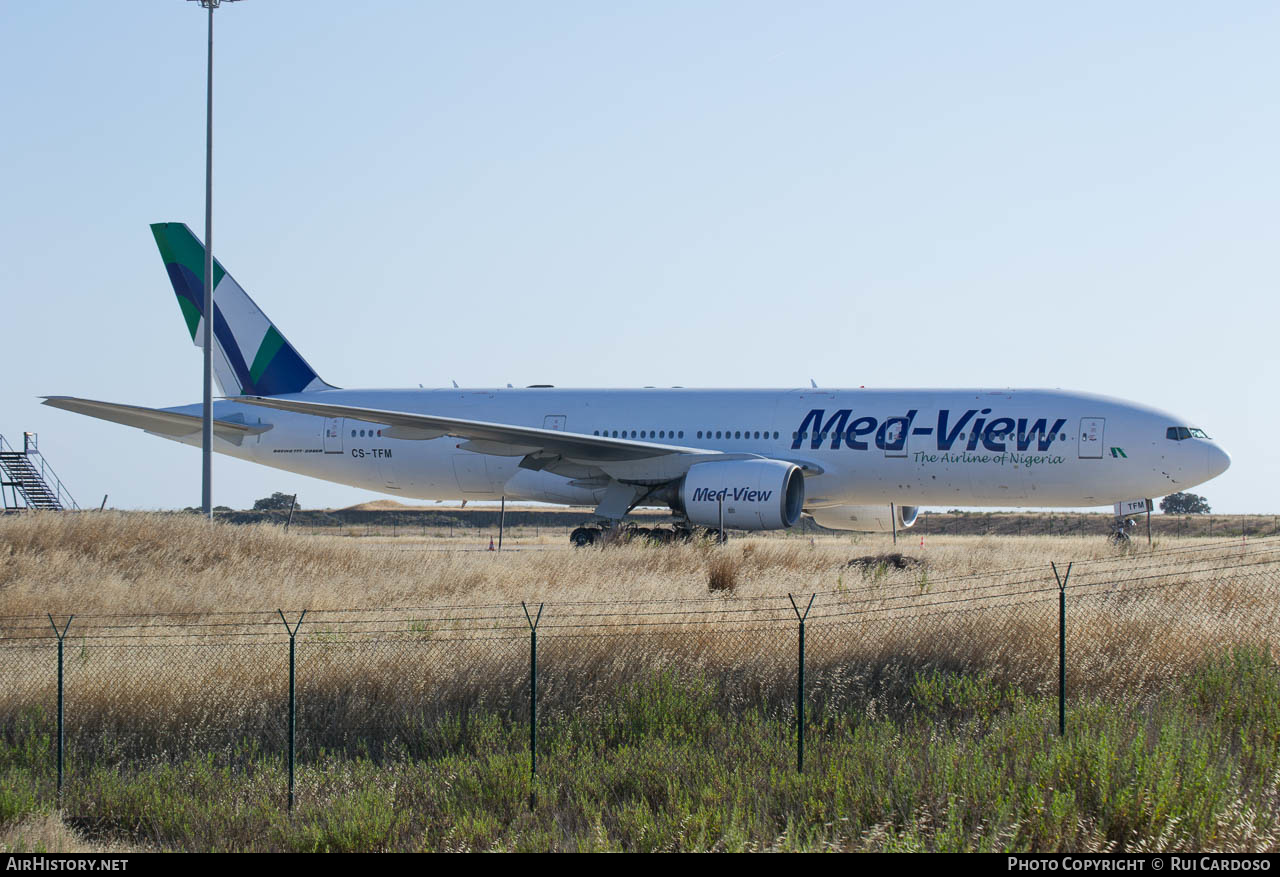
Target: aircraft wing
170	423
500	439
552	449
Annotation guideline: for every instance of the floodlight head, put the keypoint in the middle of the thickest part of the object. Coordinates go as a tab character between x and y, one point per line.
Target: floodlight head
212	4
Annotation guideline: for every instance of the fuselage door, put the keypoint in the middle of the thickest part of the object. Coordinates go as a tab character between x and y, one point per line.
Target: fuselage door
1091	430
895	442
554	421
333	435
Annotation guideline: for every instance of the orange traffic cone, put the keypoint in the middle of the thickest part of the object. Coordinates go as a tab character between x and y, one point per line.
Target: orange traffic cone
491	543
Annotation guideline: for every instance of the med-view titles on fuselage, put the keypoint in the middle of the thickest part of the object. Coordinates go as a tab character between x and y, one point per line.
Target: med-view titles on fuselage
752	459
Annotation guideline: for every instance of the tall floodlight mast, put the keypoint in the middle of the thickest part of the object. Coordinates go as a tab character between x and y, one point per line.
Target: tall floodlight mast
206	426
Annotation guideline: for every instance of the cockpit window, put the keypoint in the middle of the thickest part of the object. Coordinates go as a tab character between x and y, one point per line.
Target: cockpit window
1178	433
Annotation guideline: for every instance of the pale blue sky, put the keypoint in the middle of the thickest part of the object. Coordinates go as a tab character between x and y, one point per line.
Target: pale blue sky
604	194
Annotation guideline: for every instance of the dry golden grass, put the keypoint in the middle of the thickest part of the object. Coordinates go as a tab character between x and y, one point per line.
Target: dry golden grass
46	832
399	627
158	563
722	571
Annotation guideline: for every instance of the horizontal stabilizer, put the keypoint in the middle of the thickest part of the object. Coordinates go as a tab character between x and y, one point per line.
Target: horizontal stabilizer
169	423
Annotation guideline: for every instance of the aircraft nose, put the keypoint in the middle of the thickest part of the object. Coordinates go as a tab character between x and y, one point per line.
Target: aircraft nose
1219	460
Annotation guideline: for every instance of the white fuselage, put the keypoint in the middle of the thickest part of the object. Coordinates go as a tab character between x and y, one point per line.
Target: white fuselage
1007	448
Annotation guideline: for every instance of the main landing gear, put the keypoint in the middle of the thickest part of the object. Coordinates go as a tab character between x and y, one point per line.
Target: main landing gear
584	537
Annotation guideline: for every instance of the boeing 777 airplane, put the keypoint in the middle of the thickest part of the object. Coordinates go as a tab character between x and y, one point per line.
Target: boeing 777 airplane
740	459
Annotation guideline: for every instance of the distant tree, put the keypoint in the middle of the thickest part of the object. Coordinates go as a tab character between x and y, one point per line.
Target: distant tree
1184	504
276	501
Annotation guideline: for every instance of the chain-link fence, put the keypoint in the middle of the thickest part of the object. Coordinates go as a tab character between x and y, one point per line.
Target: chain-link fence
673	680
474	527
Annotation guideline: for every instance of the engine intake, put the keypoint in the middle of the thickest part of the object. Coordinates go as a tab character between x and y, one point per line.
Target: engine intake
865	518
755	494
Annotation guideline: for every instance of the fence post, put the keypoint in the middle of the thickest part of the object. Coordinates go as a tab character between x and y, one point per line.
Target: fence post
533	699
800	683
293	703
1062	646
61	635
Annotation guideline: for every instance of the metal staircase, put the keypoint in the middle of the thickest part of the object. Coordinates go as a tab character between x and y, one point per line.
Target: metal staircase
29	481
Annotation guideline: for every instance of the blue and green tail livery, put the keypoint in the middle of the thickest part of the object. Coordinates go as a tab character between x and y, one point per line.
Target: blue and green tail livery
250	357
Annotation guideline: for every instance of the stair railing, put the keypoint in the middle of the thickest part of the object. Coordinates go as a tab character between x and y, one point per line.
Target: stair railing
31	449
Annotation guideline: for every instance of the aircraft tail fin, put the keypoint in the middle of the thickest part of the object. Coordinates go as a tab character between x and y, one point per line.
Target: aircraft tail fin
250	355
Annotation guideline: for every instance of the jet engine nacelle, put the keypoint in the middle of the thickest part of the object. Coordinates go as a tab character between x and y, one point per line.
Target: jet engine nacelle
755	494
865	518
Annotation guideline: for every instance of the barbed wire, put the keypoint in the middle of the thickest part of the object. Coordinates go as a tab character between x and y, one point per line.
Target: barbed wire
1259	543
460	622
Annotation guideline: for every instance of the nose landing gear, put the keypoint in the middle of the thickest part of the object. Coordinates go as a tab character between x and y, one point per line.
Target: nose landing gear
1121	530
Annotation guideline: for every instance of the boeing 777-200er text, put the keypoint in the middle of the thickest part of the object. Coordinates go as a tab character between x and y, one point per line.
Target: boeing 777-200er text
752	459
